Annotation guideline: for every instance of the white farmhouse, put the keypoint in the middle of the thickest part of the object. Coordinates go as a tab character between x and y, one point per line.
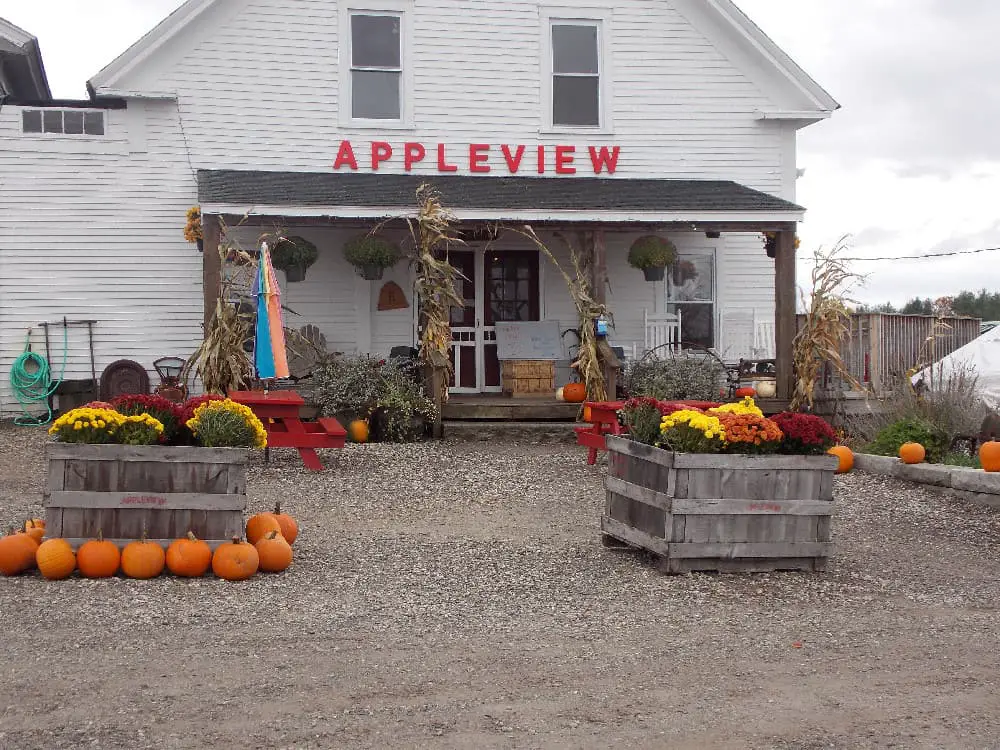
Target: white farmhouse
616	119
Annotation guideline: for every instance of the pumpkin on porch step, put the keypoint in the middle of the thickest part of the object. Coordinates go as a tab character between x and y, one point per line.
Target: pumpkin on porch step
574	392
744	392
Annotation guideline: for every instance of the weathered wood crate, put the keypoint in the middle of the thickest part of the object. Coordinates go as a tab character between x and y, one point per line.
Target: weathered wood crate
528	377
727	513
168	490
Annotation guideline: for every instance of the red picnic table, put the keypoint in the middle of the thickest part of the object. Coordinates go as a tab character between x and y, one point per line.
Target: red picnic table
604	421
279	412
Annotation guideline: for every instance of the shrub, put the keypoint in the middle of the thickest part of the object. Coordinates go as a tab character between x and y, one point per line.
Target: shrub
371	250
388	393
682	378
293	251
139	429
910	430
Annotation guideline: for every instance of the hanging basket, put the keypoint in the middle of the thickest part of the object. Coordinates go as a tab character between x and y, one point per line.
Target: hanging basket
653	274
295	273
371	272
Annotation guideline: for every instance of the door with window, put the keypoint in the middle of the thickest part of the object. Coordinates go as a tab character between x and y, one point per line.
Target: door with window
496	286
690	289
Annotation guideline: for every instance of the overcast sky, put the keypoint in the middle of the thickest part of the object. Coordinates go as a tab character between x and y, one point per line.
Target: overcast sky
910	165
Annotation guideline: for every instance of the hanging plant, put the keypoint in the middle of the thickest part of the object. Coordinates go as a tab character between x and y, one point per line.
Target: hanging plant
294	255
192	229
371	255
651	254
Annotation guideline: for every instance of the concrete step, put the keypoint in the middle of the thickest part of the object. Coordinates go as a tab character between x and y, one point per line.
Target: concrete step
535	433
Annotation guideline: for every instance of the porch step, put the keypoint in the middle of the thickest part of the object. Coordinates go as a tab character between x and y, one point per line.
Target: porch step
535	433
500	409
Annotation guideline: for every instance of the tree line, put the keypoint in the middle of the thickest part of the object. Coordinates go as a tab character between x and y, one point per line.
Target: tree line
983	304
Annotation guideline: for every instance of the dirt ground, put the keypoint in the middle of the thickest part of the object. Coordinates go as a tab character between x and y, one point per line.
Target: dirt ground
457	596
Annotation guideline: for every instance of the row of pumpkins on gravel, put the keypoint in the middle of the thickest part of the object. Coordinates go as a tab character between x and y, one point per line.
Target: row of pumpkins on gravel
268	549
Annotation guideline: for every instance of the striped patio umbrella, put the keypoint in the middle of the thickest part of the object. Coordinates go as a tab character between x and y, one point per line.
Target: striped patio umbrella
269	338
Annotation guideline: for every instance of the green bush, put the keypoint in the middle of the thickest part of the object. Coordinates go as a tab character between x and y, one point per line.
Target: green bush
961	459
652	251
911	430
680	378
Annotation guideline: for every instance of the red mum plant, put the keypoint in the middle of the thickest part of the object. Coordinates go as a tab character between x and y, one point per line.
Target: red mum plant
642	417
167	412
805	434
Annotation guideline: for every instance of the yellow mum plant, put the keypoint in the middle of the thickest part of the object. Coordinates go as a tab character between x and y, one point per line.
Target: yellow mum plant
692	431
745	406
87	425
227	424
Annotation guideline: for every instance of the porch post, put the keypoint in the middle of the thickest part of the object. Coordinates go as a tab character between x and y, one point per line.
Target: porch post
211	264
599	271
784	311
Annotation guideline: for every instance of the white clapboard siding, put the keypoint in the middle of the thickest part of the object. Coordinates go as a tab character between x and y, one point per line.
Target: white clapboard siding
88	231
262	91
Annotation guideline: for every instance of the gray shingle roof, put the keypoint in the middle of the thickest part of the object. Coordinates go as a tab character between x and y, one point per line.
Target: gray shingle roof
466	192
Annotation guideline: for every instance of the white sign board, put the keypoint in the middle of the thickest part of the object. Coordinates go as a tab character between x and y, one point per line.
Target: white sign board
538	340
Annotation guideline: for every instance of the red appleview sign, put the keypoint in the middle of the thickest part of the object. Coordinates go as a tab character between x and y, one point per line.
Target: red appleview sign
480	158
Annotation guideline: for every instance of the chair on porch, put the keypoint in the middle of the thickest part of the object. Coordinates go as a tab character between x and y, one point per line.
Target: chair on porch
661	329
763	338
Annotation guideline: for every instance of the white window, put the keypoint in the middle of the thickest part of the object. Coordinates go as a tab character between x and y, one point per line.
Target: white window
576	74
63	121
376	53
690	288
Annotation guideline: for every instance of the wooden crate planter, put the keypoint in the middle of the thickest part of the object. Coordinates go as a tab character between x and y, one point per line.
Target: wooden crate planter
528	377
169	490
725	513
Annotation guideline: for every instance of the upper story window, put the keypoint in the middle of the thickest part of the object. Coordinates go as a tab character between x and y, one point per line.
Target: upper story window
376	66
63	121
576	74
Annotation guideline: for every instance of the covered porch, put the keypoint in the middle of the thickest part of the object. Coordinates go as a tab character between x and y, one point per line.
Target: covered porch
750	286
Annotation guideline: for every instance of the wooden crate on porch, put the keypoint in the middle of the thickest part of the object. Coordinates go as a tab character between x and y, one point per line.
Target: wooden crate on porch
120	490
533	378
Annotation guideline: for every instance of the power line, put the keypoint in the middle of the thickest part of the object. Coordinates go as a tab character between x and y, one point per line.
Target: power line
929	255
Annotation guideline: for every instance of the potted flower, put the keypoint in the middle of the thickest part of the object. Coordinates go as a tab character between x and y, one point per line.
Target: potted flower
723	488
371	255
294	255
193	230
651	254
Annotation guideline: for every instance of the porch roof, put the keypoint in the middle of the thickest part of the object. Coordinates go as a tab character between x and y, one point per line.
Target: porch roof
575	199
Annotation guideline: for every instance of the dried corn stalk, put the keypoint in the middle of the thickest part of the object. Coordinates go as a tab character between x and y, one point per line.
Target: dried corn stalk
825	326
432	234
588	362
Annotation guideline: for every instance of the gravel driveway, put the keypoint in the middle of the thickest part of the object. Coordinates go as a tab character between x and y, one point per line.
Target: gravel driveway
452	595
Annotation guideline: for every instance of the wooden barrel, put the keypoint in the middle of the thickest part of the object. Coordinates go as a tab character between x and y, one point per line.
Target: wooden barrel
122	490
720	512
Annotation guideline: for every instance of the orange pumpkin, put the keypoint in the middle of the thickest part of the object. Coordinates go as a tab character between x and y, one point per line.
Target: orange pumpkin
143	559
274	552
236	560
358	430
260	524
17	553
912	453
289	527
989	455
845	456
587	414
574	392
98	558
56	559
188	556
744	392
32	529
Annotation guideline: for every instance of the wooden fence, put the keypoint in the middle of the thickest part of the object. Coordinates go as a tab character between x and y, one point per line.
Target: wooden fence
882	347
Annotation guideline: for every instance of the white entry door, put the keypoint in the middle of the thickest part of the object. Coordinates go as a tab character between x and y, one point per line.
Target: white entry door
497	286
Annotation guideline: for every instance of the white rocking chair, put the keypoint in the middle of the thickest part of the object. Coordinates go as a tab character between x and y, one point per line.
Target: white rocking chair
662	329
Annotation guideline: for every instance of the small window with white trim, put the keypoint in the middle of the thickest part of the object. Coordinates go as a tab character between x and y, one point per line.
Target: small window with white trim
576	74
690	288
376	66
62	121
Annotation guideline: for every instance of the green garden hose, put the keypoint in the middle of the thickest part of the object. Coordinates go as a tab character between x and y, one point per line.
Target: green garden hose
31	381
